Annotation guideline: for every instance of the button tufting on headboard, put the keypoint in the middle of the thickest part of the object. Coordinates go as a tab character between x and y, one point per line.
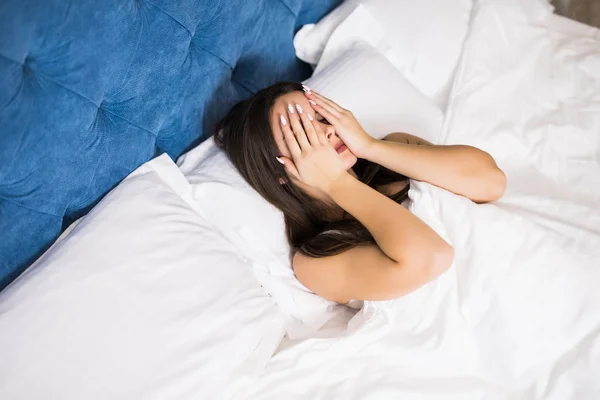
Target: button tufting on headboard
27	62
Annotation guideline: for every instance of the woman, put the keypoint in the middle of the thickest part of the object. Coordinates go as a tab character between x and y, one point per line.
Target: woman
341	191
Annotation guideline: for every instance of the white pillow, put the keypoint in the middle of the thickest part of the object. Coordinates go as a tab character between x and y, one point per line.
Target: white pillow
363	81
311	39
423	39
141	300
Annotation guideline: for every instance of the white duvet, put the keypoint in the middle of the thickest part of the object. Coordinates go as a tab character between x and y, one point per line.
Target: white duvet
518	314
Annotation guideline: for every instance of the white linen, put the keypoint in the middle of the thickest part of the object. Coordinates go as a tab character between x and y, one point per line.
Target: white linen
365	82
139	300
422	39
516	317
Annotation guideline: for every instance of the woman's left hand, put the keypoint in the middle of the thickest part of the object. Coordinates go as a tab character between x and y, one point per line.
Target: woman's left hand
344	122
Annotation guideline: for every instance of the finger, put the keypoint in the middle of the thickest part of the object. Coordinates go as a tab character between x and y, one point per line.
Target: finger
321	134
289	137
297	128
322	138
290	167
309	129
329	102
325	113
324	100
314	101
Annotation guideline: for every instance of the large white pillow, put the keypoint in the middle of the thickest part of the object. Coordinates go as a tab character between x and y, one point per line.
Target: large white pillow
423	39
141	300
361	80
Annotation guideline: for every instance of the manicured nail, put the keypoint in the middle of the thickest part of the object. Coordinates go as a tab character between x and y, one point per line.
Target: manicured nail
310	117
290	108
280	160
299	108
312	102
306	89
283	121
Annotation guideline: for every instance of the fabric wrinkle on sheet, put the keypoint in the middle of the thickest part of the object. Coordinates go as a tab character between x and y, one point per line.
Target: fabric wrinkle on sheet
356	304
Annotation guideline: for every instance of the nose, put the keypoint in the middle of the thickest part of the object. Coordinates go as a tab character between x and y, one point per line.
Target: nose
330	134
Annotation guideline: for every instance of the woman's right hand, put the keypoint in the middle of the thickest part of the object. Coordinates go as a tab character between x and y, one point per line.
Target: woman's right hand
314	161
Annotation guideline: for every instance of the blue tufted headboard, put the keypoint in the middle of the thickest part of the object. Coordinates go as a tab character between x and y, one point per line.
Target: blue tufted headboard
90	89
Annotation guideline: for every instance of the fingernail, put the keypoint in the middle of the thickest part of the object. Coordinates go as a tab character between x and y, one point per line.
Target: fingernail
306	89
312	102
310	117
290	108
280	160
299	108
283	121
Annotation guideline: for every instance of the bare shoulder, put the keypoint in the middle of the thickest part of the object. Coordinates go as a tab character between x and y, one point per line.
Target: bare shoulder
407	138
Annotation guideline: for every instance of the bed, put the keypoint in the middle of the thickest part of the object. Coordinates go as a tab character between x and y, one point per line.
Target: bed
516	318
169	288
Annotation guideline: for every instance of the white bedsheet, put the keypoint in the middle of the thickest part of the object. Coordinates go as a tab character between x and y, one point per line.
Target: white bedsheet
518	314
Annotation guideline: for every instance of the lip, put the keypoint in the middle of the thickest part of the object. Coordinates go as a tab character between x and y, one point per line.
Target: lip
341	148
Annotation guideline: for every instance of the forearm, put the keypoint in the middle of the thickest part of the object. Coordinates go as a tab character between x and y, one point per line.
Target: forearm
397	231
463	170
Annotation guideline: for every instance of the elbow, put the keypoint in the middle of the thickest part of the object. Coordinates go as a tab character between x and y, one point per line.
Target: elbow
413	273
490	182
495	180
431	263
441	260
495	185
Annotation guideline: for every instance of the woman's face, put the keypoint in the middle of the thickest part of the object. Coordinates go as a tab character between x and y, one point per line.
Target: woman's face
281	108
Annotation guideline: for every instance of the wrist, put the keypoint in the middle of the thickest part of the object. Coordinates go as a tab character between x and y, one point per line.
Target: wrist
338	187
369	150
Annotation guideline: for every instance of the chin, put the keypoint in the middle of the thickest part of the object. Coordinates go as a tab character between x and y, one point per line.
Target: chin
349	159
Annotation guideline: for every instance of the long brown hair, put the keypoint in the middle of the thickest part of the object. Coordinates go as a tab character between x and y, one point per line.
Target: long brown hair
246	136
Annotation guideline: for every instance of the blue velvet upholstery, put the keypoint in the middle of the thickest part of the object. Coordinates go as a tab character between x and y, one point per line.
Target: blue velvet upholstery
91	89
